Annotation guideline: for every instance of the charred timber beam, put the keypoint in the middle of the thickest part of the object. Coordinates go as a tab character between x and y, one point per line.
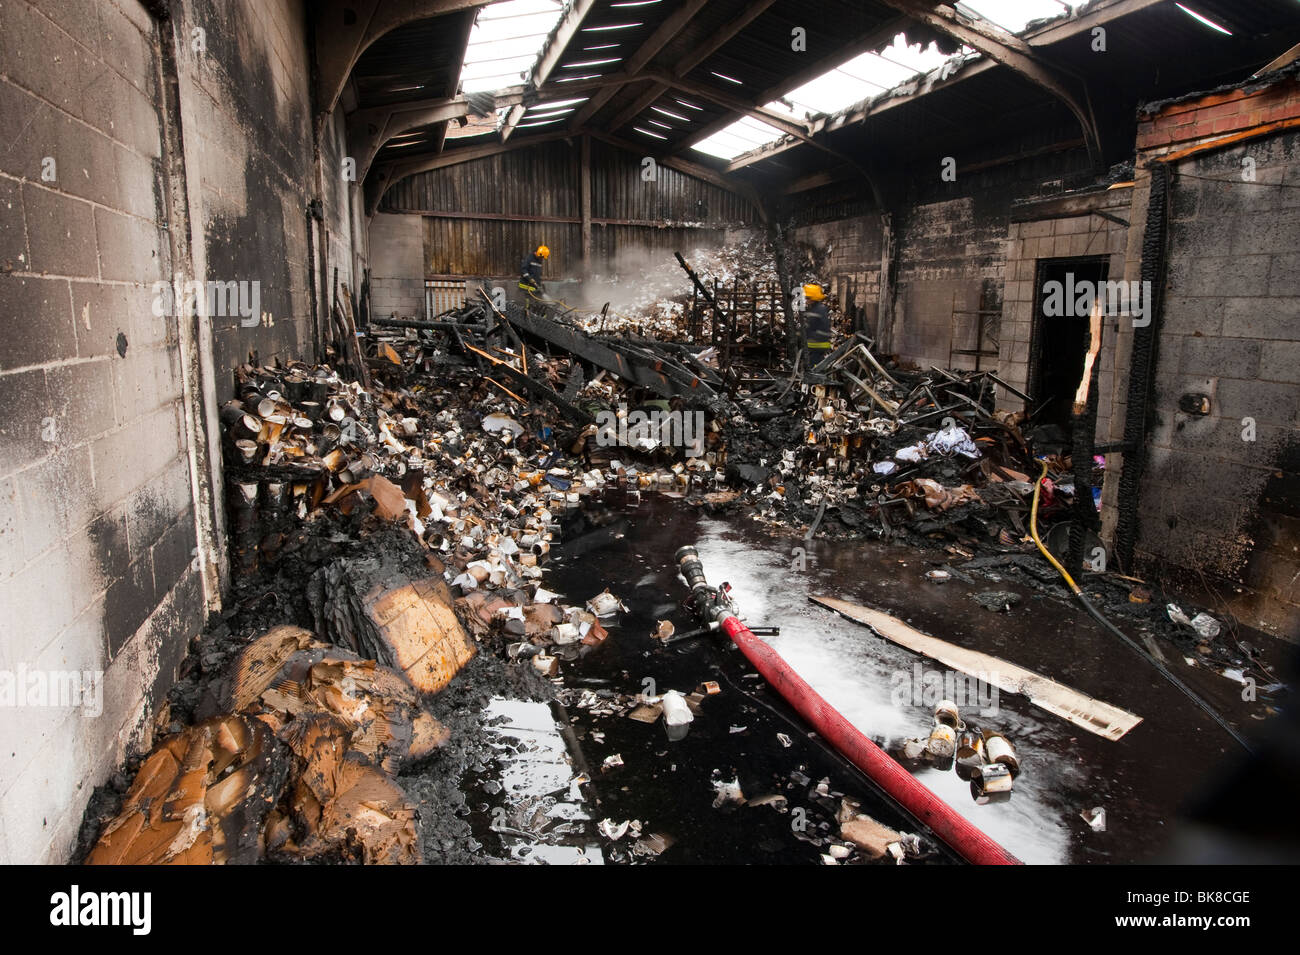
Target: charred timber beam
639	60
1009	50
692	60
556	44
867	43
344	29
662	375
477	327
559	220
533	386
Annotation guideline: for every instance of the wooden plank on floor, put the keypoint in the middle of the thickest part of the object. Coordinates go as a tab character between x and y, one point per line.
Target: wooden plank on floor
1078	708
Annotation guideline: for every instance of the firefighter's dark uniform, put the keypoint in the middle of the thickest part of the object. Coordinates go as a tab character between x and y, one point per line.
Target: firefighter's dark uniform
530	274
818	334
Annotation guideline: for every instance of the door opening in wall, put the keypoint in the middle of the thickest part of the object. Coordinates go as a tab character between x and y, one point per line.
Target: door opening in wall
1060	335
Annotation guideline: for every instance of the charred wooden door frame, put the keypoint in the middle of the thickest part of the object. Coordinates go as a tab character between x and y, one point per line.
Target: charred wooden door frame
194	334
1036	343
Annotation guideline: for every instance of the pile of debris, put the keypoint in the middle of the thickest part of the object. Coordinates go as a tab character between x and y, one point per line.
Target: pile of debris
389	530
387	523
649	299
480	479
299	766
876	449
856	446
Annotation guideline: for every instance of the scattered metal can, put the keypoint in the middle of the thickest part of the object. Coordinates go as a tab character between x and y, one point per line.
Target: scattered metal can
998	749
991	784
943	741
945	712
970	754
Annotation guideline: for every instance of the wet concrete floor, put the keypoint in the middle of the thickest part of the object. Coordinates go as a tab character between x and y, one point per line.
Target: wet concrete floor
670	787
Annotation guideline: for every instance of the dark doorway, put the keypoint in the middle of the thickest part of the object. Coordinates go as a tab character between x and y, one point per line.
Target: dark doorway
1060	341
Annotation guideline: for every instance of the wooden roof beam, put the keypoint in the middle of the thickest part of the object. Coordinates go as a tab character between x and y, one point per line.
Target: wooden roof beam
1049	33
370	129
344	29
1009	50
877	38
639	60
556	45
692	60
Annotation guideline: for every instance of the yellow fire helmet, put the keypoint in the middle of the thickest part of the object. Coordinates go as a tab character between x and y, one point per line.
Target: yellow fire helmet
814	292
544	252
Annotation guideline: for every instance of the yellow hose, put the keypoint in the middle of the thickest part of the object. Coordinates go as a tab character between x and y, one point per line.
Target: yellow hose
1033	532
1096	614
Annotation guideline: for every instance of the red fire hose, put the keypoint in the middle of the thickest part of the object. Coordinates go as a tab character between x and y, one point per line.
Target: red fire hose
954	830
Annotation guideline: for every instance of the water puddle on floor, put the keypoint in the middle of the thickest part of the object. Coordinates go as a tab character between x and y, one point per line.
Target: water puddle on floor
1139	780
532	800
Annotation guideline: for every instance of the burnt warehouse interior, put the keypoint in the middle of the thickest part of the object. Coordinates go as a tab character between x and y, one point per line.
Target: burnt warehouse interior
648	432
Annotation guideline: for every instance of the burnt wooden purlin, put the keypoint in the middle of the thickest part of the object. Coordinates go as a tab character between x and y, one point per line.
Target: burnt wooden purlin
639	364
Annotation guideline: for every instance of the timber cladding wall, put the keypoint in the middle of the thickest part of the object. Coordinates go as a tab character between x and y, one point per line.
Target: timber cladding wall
96	520
482	216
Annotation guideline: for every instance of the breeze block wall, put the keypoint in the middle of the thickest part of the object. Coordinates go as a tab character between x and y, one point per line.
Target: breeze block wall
246	105
1220	494
96	518
100	566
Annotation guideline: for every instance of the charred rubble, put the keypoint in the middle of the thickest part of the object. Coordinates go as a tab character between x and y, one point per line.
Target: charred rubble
392	530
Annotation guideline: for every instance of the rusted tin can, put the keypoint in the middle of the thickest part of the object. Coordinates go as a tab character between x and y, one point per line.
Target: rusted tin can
970	754
991	784
945	712
942	744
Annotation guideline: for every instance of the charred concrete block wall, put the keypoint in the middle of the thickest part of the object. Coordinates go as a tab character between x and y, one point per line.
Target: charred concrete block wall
246	103
1218	501
952	240
99	527
949	252
397	279
96	519
852	265
1081	226
950	233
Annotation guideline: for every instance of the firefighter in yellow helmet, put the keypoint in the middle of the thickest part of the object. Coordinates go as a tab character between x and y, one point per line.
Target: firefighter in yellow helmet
530	271
817	327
